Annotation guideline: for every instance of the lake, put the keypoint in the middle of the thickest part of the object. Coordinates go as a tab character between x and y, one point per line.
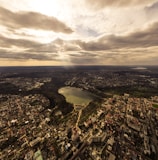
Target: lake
76	96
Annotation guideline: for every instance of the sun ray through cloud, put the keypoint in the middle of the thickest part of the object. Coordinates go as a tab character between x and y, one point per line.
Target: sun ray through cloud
60	29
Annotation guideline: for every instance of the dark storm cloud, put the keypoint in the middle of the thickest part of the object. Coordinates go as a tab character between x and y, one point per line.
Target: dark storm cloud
33	46
93	46
26	56
60	45
142	39
50	47
34	20
83	58
83	54
71	48
139	39
88	54
99	4
8	42
33	50
83	61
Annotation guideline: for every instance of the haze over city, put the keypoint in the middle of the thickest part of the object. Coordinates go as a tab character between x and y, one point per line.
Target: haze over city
72	32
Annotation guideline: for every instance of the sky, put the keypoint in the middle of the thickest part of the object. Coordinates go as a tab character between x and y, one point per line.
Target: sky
78	32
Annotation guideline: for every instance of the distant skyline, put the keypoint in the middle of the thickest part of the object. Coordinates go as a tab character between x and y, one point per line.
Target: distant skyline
72	32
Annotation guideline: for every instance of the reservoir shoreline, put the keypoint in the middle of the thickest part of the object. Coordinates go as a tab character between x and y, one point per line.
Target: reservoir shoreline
76	96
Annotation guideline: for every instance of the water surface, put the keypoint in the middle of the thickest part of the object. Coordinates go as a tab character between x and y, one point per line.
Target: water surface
76	96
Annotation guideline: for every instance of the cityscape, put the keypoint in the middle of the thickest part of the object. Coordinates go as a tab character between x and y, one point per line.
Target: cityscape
118	122
79	80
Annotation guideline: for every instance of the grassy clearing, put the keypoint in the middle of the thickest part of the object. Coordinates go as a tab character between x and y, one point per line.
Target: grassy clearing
155	105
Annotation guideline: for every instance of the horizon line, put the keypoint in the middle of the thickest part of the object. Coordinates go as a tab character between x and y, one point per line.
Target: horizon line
133	65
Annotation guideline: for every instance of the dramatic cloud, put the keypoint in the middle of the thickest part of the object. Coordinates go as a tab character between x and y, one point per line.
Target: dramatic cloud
26	56
81	52
142	39
105	32
99	4
33	20
89	58
55	46
9	42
